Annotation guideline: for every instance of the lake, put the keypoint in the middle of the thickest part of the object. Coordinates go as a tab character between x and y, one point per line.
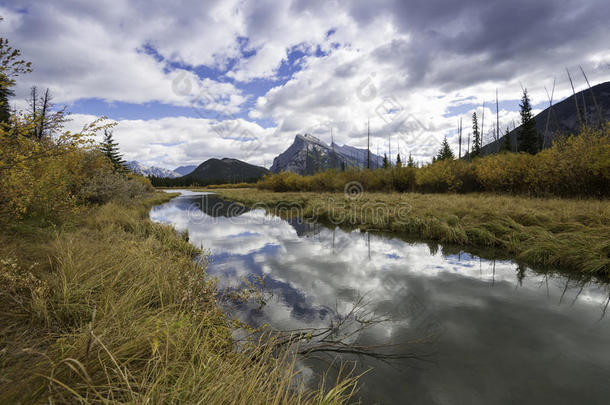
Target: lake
464	329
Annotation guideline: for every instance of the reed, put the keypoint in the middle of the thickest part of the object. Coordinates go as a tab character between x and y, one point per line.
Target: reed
112	308
567	234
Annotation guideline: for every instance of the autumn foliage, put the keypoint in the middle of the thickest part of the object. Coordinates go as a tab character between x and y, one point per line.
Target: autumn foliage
575	166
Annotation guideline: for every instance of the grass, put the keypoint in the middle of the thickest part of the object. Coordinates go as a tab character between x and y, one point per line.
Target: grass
112	308
565	234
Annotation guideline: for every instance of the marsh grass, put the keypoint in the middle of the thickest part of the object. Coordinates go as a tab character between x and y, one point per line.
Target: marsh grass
566	234
112	308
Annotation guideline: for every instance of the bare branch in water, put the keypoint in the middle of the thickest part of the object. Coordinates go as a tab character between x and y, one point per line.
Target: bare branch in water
341	337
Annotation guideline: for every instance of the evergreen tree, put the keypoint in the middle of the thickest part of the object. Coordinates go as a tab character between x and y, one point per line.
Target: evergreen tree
476	142
385	163
410	162
398	161
528	137
506	146
342	166
445	152
5	93
111	149
11	66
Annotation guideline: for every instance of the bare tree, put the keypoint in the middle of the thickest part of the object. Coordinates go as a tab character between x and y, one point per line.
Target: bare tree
497	124
575	98
482	126
368	144
548	117
460	139
600	119
47	121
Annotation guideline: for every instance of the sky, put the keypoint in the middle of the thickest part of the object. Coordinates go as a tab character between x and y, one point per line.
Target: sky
189	80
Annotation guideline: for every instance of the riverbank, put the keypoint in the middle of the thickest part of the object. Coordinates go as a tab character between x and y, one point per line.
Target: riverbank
110	307
567	234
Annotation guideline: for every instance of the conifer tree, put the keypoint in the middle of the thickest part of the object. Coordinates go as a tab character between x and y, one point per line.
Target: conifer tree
476	142
528	137
445	152
410	162
111	150
11	66
398	161
385	161
5	93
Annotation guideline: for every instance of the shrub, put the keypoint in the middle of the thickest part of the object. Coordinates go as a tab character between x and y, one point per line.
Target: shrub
506	172
447	176
573	166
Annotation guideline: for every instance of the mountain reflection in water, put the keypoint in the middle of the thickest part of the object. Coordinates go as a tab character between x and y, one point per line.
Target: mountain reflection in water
496	332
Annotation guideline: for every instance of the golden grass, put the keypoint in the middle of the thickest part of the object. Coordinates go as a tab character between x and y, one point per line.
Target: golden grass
567	234
112	308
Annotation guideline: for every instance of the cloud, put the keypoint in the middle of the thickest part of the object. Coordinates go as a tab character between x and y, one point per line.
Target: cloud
174	141
89	52
404	65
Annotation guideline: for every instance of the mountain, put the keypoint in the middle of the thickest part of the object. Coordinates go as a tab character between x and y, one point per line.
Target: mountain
184	170
564	117
144	170
308	154
226	170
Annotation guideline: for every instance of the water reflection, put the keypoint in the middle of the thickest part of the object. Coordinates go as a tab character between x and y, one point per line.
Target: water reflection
502	333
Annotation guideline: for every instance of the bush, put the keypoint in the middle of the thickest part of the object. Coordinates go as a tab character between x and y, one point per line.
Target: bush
574	166
447	176
506	172
57	183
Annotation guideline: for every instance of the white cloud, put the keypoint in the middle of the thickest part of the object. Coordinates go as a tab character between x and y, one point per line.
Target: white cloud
423	60
175	141
85	53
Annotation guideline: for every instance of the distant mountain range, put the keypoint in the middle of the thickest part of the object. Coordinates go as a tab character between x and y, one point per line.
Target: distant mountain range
155	171
308	154
563	117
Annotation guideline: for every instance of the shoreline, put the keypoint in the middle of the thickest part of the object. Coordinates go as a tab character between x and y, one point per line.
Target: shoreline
568	235
112	307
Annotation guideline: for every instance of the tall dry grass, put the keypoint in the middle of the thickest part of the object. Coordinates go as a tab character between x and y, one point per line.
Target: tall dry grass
554	233
112	308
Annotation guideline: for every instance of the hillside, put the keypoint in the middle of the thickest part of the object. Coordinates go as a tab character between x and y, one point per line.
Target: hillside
307	154
563	118
184	170
226	170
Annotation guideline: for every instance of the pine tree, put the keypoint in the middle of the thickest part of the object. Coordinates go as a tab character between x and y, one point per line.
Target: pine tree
445	152
476	142
5	93
506	146
528	138
410	162
342	166
11	66
111	149
398	161
385	163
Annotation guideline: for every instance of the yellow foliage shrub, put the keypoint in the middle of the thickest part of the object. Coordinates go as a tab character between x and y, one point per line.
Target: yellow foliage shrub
573	166
52	177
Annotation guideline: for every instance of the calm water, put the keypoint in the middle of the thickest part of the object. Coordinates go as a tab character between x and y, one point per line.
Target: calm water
481	331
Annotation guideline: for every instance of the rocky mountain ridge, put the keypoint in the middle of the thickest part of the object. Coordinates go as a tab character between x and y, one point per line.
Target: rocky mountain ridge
308	154
148	171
